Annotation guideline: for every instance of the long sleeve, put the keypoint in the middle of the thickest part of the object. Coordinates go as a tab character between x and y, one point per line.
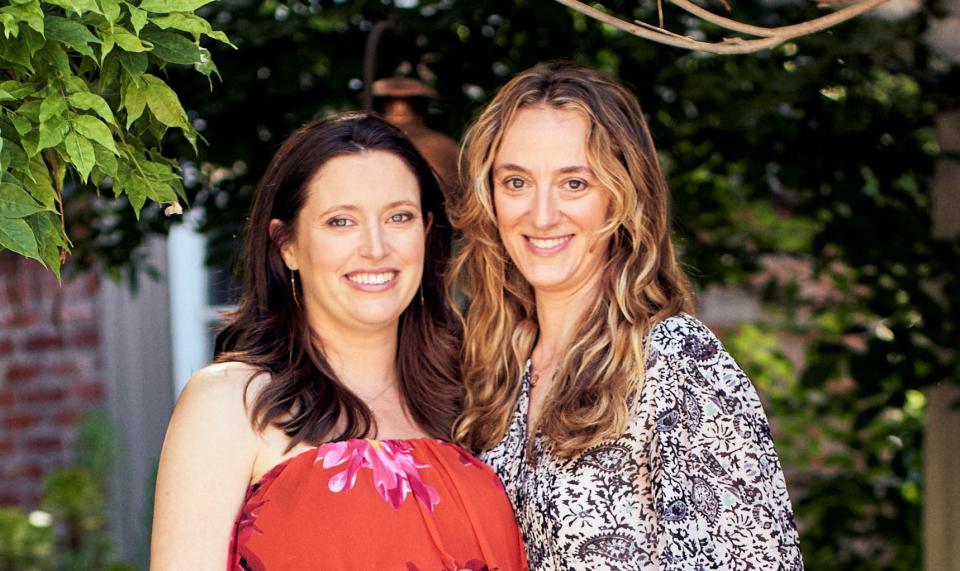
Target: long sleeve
720	497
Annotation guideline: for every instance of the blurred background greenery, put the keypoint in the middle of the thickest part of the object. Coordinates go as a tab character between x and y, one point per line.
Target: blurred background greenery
802	176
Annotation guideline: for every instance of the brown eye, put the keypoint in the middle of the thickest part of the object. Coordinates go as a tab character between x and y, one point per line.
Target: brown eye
576	184
514	183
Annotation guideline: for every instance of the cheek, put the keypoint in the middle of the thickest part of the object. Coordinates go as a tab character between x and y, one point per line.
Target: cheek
507	212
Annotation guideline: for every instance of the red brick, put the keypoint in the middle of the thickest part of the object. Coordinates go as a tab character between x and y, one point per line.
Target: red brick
54	394
67	369
6	446
31	471
9	499
85	338
89	391
6	397
45	444
13	422
6	346
21	372
21	318
43	342
66	418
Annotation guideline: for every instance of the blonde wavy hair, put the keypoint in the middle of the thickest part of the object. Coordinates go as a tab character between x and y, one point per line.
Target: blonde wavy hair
601	374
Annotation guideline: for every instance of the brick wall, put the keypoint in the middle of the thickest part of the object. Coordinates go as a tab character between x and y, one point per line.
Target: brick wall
50	372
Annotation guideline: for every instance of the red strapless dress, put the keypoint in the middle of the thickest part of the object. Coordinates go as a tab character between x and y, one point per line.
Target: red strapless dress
410	505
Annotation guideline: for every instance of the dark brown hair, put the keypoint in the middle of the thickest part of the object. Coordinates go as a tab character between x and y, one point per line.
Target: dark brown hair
269	330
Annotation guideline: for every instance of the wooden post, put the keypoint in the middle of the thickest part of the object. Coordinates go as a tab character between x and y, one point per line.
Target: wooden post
941	502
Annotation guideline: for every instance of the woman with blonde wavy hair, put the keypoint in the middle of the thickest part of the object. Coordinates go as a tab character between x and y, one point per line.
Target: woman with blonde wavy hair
625	435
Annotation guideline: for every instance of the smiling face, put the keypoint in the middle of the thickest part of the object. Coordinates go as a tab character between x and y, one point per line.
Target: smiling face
358	242
548	202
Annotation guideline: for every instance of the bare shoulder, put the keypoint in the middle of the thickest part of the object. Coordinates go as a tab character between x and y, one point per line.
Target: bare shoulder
224	385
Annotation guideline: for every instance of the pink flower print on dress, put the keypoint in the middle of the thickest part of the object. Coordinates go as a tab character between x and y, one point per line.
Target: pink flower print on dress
395	473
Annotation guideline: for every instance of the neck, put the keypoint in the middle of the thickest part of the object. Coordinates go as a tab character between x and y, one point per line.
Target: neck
559	315
363	360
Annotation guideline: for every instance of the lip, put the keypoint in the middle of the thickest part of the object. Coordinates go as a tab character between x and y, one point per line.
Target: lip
539	251
373	287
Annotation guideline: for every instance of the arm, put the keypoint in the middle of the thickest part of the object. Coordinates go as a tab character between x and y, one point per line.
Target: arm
719	490
205	468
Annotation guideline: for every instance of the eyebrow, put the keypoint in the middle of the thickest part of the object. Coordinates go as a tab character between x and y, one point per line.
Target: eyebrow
564	170
355	208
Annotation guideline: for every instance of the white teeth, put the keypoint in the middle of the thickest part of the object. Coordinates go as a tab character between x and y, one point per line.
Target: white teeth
372	279
549	243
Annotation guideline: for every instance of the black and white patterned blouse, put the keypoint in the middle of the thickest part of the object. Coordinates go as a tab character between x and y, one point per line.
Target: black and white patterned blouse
693	484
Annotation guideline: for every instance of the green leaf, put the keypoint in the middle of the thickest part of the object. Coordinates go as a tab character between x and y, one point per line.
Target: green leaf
167	6
192	24
106	46
172	47
95	130
16	52
138	18
71	33
17	236
16	89
52	133
49	236
11	26
53	105
134	63
34	40
78	6
31	142
206	66
110	10
128	41
29	12
16	203
39	184
92	102
106	162
134	99
12	157
80	152
54	54
164	103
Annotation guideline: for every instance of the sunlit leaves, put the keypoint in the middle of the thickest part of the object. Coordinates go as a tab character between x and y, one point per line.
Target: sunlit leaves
79	105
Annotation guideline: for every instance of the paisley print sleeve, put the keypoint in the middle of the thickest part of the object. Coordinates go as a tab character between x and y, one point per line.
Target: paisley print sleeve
720	496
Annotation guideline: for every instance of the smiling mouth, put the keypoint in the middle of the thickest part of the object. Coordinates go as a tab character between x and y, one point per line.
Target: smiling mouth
371	279
549	244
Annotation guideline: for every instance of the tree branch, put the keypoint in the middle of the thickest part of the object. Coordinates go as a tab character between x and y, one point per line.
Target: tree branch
769	37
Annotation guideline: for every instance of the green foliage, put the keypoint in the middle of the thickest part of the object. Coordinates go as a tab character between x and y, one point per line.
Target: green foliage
78	109
69	534
24	545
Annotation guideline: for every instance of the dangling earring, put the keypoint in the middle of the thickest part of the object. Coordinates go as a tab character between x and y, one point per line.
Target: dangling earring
422	302
293	287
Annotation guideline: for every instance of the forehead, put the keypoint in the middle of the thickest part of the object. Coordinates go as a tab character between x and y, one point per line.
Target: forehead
367	178
542	134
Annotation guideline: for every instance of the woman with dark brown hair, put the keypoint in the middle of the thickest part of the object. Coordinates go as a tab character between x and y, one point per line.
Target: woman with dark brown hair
625	435
317	438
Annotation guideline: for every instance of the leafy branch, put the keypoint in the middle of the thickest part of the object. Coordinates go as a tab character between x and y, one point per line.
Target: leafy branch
80	108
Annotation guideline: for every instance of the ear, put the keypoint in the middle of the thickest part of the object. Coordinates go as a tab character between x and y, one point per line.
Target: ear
287	247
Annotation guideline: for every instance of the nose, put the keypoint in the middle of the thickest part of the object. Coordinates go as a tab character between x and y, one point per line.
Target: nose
545	211
374	244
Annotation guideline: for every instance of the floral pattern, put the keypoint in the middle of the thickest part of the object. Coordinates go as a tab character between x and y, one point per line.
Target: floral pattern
395	473
694	483
419	503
